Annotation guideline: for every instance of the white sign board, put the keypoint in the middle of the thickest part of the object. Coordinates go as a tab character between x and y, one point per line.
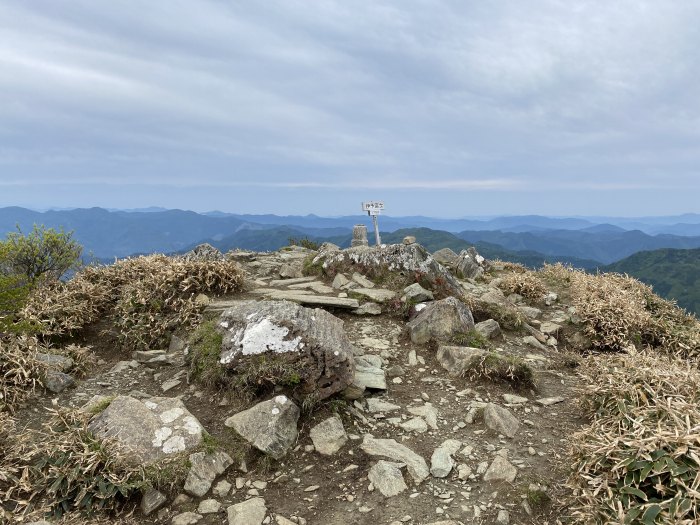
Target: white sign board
373	207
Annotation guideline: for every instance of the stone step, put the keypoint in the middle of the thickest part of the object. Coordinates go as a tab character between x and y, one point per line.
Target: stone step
296	280
294	296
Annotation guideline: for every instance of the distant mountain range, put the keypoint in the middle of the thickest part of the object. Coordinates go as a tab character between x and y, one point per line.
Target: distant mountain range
669	246
673	274
581	241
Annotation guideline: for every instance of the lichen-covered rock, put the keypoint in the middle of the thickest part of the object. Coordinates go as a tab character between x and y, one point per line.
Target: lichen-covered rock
313	341
470	264
440	321
270	426
149	430
204	252
328	436
446	257
410	260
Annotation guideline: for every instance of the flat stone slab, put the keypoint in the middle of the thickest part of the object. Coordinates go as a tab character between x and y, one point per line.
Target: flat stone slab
287	282
378	295
387	478
416	465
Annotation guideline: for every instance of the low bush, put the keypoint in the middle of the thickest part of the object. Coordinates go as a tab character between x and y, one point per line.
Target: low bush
20	372
527	284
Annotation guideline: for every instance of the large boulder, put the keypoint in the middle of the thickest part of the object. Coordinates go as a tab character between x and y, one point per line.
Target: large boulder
270	426
446	257
150	430
313	341
470	264
411	261
440	321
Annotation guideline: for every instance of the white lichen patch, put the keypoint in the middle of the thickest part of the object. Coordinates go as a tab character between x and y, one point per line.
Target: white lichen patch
191	426
151	405
171	415
174	444
261	336
161	435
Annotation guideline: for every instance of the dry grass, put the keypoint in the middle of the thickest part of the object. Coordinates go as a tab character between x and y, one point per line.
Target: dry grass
147	297
526	283
63	468
639	461
619	312
20	371
504	368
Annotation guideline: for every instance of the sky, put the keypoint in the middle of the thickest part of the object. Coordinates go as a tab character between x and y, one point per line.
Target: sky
436	107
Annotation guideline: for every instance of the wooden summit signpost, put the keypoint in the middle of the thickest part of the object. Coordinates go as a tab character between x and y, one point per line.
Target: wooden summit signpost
374	209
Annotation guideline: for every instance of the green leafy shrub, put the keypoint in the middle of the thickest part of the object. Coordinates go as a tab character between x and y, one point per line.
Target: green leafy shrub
471	338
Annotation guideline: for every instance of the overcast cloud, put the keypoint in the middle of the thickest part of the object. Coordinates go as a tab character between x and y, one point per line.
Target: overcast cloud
445	108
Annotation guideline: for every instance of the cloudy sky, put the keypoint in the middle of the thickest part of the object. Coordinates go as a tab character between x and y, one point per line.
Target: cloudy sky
438	107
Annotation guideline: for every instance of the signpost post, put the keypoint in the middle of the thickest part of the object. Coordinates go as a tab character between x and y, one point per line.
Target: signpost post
374	209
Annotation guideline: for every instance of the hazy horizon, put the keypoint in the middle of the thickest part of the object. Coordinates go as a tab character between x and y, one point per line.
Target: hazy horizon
439	109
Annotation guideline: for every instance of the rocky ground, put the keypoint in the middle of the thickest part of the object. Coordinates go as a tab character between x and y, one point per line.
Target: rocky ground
413	440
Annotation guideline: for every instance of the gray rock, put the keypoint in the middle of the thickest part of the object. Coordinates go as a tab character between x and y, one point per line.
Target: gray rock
501	420
270	426
469	264
152	500
513	399
490	328
446	257
456	359
368	375
409	239
339	281
501	469
209	506
56	362
387	478
550	328
533	342
375	405
290	271
186	518
57	382
222	488
503	517
203	471
440	320
547	401
314	339
530	312
177	344
204	252
329	436
415	424
149	430
427	412
441	463
368	309
378	295
250	512
417	294
395	371
416	465
362	280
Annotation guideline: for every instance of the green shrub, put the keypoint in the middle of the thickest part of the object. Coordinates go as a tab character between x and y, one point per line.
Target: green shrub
509	369
44	253
471	338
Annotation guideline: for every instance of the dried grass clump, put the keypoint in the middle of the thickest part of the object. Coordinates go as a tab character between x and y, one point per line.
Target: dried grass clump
163	299
60	308
63	468
507	315
147	296
495	367
619	312
509	266
639	461
527	284
20	371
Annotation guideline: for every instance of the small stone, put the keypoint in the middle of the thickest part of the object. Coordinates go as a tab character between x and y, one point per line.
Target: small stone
387	478
186	518
208	506
409	239
375	405
204	470
513	399
501	469
250	512
547	401
152	500
501	420
222	488
503	517
329	436
57	382
312	488
416	424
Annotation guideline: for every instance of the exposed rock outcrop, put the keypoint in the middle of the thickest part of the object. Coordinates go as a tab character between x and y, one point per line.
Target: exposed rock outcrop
440	320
